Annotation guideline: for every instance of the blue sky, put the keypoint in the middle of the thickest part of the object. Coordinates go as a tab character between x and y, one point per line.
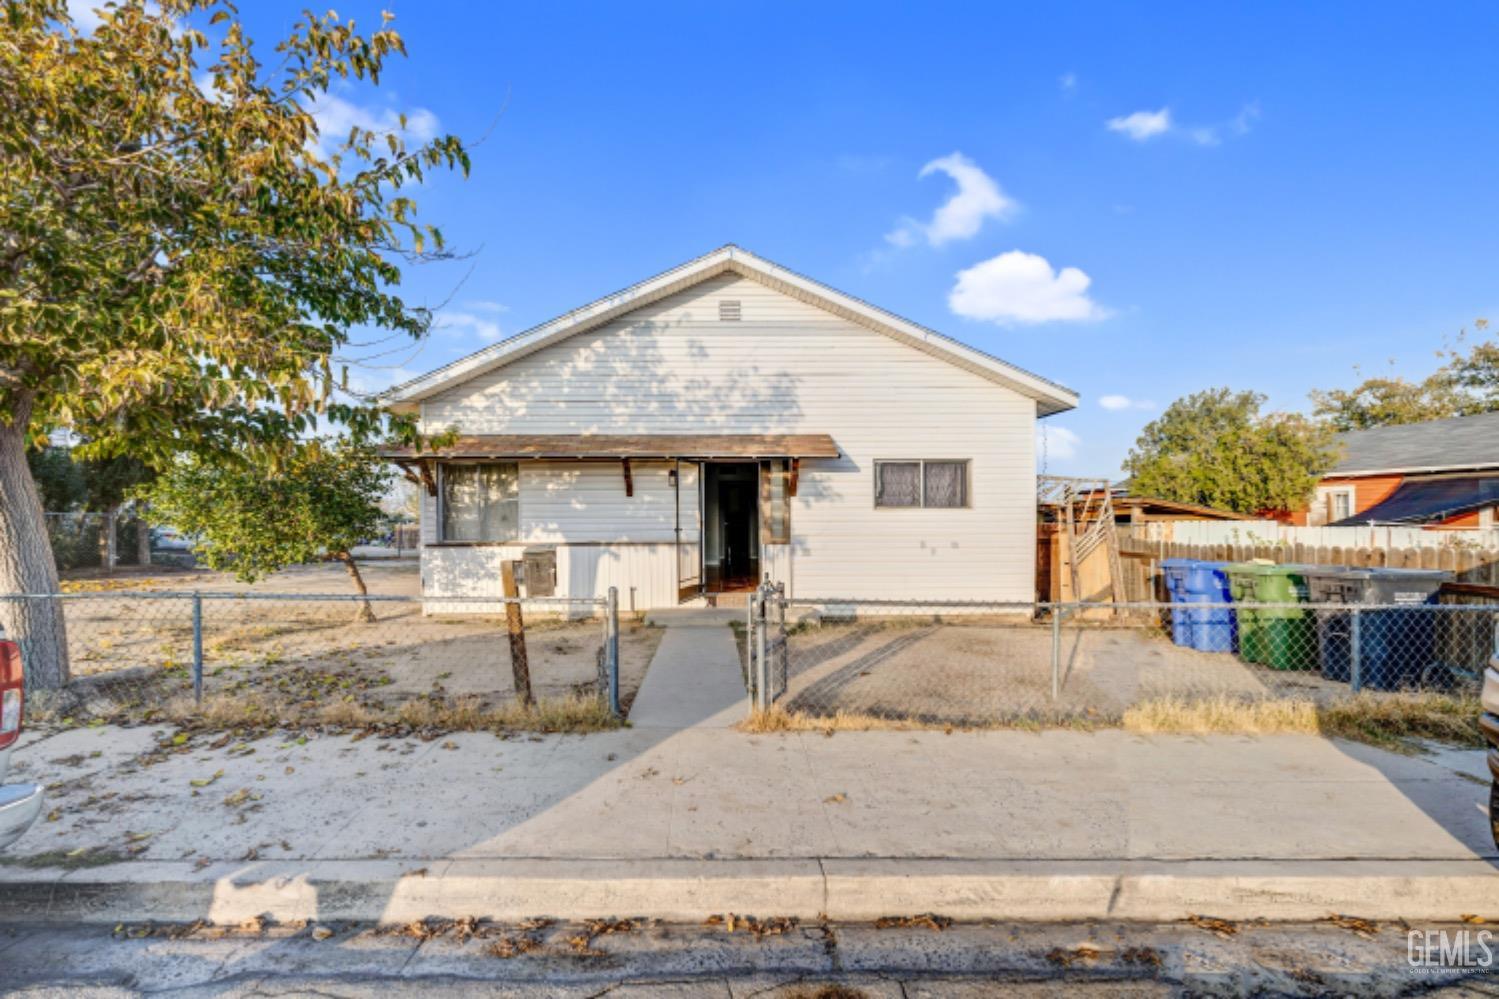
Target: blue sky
1154	199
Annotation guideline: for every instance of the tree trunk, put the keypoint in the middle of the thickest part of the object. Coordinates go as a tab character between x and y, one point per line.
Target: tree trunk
142	536
366	612
109	555
26	564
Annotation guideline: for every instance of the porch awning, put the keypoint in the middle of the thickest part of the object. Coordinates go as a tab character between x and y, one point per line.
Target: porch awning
1423	500
636	446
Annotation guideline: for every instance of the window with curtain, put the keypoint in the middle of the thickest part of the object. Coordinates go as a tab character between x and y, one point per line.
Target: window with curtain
481	502
931	484
897	483
944	483
775	503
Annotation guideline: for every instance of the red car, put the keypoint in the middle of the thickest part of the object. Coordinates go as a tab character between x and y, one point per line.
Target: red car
20	804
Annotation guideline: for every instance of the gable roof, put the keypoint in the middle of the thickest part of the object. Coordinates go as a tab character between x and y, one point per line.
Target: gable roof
1437	445
1050	397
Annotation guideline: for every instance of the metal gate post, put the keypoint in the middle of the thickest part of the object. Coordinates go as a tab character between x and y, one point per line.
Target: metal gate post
749	650
198	647
1056	652
762	675
783	646
1355	674
611	647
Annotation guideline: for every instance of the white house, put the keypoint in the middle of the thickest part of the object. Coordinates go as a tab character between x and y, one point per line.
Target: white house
723	422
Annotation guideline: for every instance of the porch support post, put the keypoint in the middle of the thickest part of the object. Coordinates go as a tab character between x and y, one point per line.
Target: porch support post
796	468
629	481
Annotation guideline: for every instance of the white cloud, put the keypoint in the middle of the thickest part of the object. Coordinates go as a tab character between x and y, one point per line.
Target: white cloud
487	305
1119	402
1068	82
467	324
1056	443
1019	287
335	116
1142	125
977	198
1145	125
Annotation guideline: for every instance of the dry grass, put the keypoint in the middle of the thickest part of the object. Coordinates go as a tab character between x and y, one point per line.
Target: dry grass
1387	720
778	719
227	712
1197	717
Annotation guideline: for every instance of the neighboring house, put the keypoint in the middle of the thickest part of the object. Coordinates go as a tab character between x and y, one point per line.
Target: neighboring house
723	422
1440	474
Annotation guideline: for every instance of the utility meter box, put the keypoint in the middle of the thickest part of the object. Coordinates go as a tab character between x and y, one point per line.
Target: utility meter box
539	571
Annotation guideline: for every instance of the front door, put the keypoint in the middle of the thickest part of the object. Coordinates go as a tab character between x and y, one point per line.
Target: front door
731	553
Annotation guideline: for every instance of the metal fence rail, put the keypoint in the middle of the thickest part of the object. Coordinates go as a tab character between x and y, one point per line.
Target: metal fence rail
146	655
977	663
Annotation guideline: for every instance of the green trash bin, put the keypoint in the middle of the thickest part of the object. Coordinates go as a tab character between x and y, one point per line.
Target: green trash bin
1289	634
1241	587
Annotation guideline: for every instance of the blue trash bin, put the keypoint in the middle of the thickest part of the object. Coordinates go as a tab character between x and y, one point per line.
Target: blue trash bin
1194	581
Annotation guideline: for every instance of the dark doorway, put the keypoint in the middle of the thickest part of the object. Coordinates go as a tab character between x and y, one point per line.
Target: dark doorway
731	515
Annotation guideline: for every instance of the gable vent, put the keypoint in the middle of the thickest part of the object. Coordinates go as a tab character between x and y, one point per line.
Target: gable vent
728	310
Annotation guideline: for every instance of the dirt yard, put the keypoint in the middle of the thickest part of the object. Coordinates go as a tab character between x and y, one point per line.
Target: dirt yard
972	673
131	639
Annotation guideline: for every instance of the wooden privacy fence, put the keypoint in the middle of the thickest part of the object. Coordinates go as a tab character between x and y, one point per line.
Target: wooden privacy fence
1141	555
1467	564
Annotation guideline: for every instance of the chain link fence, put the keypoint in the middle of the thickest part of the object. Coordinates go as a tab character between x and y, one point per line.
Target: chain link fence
265	659
980	664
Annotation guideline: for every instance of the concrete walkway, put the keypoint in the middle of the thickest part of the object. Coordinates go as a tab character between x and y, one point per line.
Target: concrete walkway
678	824
695	680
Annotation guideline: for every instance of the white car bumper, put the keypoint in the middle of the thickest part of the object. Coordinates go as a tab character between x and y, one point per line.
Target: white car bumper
20	804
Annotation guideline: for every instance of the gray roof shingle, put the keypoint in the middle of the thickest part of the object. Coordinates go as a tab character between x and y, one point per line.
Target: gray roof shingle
1461	442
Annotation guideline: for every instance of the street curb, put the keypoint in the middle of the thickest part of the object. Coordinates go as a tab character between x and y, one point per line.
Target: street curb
689	890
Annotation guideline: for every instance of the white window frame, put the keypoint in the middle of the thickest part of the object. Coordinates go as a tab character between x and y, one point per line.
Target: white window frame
440	502
1325	497
967	464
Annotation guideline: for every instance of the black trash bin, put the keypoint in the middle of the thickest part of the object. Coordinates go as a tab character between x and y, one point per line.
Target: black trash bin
1396	637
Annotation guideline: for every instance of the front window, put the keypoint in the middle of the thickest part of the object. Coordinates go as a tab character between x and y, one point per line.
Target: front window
933	484
480	502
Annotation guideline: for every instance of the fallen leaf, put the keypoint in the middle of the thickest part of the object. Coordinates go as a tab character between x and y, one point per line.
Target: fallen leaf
1218	927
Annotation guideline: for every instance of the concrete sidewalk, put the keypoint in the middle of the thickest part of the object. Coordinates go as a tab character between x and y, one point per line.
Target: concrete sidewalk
694	680
681	824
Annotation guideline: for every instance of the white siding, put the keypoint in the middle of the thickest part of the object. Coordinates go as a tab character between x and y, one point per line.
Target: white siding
646	575
674	367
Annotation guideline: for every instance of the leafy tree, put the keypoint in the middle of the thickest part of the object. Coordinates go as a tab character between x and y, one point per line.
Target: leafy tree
1380	402
1215	448
1476	372
180	260
320	501
1467	383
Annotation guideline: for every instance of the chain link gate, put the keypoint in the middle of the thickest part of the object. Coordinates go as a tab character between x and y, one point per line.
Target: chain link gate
766	649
